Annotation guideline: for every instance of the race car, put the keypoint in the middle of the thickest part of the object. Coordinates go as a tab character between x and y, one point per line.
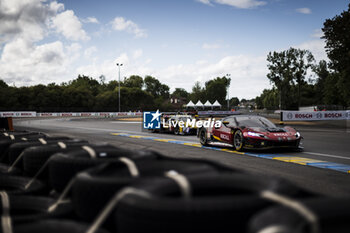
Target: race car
171	124
250	132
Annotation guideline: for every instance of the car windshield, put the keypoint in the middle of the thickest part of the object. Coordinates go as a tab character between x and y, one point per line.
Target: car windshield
255	122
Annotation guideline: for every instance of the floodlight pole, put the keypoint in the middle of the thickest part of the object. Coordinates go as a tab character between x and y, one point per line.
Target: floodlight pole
228	98
119	65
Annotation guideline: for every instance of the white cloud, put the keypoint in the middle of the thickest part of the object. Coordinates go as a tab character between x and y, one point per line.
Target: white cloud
69	25
317	48
121	24
211	46
89	51
91	20
242	4
318	33
248	74
23	63
25	19
207	2
25	23
137	53
304	10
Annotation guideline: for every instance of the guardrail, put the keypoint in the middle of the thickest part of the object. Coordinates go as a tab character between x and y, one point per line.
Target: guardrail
315	116
68	114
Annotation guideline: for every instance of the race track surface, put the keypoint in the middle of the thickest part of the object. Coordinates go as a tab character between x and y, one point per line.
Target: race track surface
323	166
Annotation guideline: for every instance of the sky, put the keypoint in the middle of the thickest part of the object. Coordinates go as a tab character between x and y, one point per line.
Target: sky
179	42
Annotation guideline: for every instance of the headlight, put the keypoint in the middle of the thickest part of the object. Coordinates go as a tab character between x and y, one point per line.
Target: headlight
255	134
297	135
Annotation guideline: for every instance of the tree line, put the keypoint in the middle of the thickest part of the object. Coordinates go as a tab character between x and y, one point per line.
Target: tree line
87	94
299	81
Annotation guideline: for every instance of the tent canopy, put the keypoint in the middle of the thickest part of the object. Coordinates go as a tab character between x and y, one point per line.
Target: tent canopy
199	104
190	104
207	104
216	104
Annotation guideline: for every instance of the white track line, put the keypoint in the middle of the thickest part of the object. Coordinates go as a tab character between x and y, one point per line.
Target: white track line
326	155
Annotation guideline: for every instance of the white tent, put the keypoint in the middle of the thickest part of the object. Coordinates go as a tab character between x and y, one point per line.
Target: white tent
199	104
190	104
207	104
216	104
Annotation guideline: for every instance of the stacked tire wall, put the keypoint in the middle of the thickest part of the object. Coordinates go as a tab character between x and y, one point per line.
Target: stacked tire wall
60	184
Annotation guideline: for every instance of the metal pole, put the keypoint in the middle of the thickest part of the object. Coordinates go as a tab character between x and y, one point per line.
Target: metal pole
228	98
119	65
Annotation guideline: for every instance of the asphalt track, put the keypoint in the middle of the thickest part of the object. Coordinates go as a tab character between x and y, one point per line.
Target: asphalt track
323	166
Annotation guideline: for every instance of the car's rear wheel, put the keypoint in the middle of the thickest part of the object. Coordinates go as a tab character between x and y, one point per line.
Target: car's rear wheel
238	140
177	131
203	137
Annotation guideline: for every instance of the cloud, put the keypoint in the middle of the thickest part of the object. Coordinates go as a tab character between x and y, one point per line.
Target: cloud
91	20
25	19
247	71
241	4
211	46
121	24
137	53
25	58
318	33
69	25
24	63
89	51
304	10
317	48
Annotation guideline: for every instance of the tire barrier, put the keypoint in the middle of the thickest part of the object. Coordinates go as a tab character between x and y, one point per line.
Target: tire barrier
27	209
18	185
5	144
63	167
59	184
321	215
93	188
217	203
17	151
55	226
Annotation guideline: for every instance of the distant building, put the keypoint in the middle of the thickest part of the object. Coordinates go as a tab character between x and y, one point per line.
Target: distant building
177	102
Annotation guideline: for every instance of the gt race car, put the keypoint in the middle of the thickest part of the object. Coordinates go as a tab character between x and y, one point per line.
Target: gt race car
171	124
250	132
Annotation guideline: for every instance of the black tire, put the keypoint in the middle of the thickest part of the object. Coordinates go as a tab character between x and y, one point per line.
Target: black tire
26	209
4	169
63	167
238	140
55	226
17	148
16	185
219	203
177	131
91	192
202	135
332	213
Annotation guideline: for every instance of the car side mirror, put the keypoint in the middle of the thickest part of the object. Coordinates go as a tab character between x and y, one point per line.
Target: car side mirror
225	123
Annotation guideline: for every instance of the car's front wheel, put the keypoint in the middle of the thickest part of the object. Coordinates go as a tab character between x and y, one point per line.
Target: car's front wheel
238	140
203	137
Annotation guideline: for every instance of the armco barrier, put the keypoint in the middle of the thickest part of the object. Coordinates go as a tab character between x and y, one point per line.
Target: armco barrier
68	114
315	116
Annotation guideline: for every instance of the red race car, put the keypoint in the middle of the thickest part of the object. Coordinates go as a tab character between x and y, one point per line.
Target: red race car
248	131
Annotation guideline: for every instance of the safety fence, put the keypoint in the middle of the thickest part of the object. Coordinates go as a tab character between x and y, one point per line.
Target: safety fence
67	114
315	116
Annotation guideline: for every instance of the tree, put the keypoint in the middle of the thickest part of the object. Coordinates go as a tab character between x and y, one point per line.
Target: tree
336	33
180	92
133	81
322	72
198	93
288	68
234	101
156	88
216	89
